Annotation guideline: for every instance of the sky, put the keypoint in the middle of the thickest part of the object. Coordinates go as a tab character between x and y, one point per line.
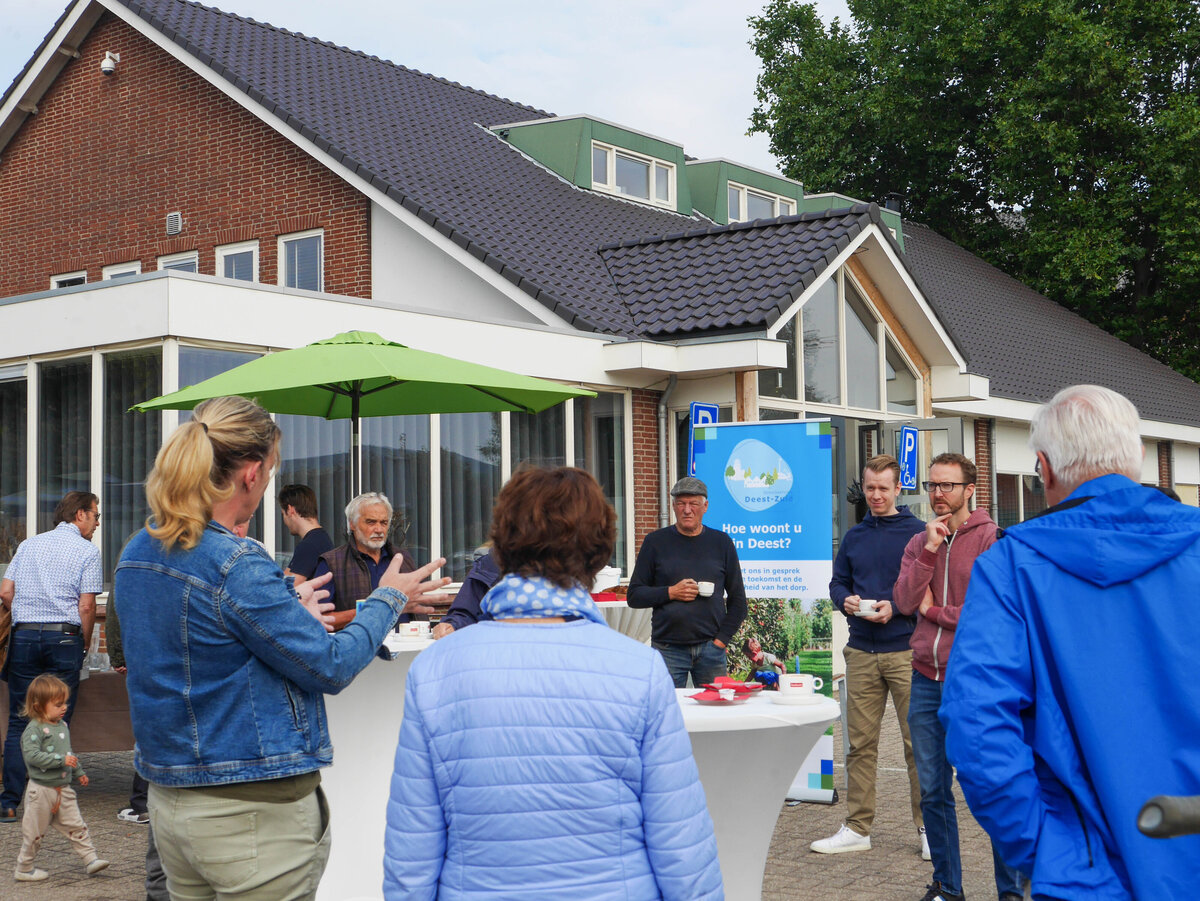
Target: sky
678	69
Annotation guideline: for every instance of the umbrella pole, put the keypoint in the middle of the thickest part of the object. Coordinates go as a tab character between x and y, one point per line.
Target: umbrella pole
355	446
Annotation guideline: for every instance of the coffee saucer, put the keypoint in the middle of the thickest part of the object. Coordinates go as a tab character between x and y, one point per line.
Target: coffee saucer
779	697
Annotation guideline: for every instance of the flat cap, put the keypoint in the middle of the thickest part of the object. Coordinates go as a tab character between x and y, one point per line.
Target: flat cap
688	486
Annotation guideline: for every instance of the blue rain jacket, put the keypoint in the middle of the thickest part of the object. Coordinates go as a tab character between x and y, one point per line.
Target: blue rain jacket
1073	693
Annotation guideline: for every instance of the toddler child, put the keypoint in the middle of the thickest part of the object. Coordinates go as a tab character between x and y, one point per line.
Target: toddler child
49	798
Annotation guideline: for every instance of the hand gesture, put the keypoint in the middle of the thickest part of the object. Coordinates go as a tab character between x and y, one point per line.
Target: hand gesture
684	590
413	584
936	531
312	598
850	605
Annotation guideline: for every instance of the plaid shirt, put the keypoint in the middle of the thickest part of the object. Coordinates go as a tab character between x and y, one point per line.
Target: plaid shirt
51	571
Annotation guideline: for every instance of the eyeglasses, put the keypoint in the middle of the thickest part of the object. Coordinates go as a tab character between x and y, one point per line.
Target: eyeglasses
942	487
95	513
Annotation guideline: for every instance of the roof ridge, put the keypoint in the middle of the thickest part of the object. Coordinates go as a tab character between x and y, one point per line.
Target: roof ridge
139	7
858	209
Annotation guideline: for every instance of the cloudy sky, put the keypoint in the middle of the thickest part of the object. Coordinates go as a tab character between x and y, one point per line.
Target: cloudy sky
679	69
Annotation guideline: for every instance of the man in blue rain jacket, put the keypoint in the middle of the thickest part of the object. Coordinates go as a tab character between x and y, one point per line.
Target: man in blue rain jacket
1073	695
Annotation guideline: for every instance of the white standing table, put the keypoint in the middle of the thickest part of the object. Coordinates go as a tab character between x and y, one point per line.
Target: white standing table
747	755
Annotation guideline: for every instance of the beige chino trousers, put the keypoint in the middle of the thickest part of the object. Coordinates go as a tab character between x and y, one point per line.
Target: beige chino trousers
869	680
40	815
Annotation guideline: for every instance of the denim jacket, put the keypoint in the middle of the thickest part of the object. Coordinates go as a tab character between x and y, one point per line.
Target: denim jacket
226	668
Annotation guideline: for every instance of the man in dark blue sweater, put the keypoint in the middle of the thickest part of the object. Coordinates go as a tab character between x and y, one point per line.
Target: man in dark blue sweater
691	577
878	658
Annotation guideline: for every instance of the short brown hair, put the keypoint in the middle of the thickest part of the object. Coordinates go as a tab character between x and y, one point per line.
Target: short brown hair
970	473
301	497
553	523
72	503
42	691
881	463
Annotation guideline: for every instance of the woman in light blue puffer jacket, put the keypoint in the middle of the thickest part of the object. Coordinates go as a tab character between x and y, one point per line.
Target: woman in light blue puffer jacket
543	754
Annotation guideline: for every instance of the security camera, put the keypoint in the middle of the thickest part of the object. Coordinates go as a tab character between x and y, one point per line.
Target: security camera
108	65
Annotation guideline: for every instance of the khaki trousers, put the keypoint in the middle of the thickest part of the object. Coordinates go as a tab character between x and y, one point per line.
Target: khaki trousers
40	814
221	848
869	679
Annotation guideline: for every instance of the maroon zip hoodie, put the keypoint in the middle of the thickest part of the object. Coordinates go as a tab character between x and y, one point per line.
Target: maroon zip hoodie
947	572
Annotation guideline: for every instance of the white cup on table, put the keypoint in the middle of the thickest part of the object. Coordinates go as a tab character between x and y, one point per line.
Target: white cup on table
800	684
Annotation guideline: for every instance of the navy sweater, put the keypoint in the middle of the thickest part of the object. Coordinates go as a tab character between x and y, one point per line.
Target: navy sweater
867	565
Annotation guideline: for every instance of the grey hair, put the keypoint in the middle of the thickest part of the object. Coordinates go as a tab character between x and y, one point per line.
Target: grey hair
1087	431
364	500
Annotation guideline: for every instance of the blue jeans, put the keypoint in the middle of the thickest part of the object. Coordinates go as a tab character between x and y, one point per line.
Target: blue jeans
705	661
31	653
937	793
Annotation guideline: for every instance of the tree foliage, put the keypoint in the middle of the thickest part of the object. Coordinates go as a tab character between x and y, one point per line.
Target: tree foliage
1059	140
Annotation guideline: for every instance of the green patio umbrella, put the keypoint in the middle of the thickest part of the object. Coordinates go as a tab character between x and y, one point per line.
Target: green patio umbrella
357	374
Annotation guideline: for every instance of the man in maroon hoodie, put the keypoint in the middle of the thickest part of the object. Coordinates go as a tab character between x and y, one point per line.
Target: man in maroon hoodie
932	584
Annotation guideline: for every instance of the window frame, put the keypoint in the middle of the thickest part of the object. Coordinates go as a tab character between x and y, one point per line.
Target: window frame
121	270
224	250
609	186
170	260
55	280
778	201
281	257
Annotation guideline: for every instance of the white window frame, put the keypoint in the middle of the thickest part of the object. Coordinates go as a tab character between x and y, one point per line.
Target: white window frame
55	280
778	201
121	270
169	260
281	274
609	185
225	250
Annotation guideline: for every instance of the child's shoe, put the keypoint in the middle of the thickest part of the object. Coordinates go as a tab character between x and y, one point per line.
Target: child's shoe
96	866
34	875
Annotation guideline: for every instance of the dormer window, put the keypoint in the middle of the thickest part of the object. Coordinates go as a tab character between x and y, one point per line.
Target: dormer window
747	204
631	175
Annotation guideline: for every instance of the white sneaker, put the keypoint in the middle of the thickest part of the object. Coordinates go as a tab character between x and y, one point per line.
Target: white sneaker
925	855
96	866
34	875
846	839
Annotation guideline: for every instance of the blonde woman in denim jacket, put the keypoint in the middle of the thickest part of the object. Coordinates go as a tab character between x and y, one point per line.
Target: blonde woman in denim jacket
233	662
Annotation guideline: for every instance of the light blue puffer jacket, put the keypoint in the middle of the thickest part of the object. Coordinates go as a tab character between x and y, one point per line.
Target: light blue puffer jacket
545	761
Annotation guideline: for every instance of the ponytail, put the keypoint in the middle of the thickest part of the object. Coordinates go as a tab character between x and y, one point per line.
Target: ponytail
194	468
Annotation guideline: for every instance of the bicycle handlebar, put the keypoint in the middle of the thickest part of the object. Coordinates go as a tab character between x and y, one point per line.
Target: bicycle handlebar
1167	816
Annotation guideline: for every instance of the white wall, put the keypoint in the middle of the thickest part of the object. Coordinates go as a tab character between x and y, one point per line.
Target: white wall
409	271
1012	449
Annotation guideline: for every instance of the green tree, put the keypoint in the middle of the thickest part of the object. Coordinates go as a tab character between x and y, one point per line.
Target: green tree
1056	139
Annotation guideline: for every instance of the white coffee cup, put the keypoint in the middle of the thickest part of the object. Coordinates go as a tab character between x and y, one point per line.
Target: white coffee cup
706	589
800	683
866	607
414	630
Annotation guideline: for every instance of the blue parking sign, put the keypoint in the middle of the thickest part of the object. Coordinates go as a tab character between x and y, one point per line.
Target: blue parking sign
908	458
702	415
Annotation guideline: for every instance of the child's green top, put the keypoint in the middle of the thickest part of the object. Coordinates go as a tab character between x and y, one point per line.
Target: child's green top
45	747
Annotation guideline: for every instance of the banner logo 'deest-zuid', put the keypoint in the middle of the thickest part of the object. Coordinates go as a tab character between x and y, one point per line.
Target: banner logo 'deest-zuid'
756	476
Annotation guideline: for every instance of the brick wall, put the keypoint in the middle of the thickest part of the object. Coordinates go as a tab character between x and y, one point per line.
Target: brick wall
645	464
90	178
983	463
1166	469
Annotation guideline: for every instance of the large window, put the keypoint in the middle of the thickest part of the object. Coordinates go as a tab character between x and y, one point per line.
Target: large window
13	400
1018	497
301	263
539	439
131	441
600	449
633	175
843	356
65	434
396	461
470	462
747	204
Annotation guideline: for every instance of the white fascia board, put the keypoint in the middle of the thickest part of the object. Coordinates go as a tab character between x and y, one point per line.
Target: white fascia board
1022	412
951	385
45	69
438	240
734	354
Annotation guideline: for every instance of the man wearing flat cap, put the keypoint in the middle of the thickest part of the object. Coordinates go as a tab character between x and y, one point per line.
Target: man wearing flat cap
690	577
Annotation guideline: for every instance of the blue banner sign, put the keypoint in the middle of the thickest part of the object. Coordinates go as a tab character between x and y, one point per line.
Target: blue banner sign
702	415
907	456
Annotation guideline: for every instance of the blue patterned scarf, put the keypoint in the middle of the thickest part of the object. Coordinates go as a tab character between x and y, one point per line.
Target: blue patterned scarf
518	597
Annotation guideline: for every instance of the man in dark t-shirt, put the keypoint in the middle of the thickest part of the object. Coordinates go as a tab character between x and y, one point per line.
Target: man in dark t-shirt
298	506
690	577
